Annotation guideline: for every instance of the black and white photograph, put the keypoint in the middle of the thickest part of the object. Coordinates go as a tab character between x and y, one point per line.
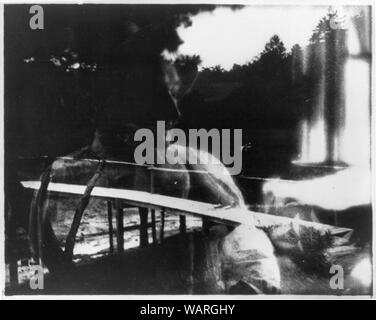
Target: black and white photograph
187	149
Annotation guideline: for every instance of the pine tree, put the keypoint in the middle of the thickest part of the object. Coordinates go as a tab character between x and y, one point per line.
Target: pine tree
275	46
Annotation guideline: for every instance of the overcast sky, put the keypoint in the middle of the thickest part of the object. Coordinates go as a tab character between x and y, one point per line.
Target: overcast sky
224	37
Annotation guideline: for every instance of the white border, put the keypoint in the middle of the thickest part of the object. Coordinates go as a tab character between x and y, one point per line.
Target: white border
187	297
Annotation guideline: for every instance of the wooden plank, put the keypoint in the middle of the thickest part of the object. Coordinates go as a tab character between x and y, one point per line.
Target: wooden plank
182	224
110	226
161	231
119	226
153	226
229	216
79	212
144	237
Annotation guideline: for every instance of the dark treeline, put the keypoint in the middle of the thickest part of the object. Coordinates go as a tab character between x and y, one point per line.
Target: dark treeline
57	79
263	97
257	95
272	91
269	96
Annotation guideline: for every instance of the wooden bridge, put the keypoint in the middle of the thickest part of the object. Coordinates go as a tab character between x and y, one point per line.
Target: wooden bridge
151	202
183	207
